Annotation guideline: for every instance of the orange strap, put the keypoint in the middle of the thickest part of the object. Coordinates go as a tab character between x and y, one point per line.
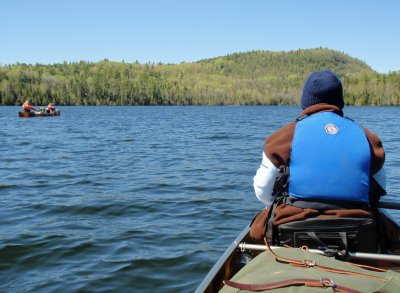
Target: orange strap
371	268
324	283
312	263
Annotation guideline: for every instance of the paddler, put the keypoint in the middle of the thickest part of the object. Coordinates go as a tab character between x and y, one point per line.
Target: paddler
50	108
27	106
331	163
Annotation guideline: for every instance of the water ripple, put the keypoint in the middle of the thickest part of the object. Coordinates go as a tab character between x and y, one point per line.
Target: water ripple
129	199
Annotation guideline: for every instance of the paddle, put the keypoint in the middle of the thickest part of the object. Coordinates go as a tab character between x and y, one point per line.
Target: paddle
353	255
388	205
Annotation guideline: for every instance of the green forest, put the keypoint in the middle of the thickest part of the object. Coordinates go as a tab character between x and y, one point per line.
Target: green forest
249	78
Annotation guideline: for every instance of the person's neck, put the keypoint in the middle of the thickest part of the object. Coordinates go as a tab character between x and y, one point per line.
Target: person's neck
322	107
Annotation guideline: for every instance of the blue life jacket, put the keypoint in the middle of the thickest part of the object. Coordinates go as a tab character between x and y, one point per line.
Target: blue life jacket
330	160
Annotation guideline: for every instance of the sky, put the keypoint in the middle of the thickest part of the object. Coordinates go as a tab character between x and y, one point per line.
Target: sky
174	31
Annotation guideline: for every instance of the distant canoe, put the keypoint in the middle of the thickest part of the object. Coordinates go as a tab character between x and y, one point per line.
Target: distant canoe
38	114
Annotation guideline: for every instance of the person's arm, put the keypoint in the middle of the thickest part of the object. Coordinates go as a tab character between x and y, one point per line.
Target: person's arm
378	184
264	181
276	155
380	178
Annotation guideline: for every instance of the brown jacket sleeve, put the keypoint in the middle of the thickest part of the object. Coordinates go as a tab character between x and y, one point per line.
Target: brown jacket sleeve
377	151
277	146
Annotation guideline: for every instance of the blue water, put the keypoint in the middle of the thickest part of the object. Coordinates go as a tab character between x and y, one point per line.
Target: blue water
128	199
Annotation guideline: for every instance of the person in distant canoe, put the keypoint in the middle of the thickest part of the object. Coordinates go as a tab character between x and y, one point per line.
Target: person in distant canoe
50	108
330	162
27	106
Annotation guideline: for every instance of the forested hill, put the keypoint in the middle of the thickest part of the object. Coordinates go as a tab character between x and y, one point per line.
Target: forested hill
251	78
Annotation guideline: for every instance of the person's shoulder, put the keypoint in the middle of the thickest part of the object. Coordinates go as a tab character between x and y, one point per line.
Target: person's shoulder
283	135
286	130
277	146
372	137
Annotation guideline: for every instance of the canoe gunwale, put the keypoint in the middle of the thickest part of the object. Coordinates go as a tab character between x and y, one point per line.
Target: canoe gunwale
222	262
34	114
221	269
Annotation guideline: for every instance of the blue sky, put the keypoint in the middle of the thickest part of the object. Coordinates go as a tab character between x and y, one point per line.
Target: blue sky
173	31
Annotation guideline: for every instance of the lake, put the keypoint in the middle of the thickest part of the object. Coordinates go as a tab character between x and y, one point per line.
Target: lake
129	199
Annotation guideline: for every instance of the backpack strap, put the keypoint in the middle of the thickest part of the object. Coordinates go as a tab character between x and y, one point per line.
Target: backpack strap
281	196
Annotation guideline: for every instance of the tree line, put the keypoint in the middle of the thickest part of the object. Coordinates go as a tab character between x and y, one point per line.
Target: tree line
249	78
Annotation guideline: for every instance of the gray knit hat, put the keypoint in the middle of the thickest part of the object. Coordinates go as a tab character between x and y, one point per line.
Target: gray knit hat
322	87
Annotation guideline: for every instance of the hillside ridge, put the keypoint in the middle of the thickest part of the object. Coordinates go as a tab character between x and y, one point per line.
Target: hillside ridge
246	78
